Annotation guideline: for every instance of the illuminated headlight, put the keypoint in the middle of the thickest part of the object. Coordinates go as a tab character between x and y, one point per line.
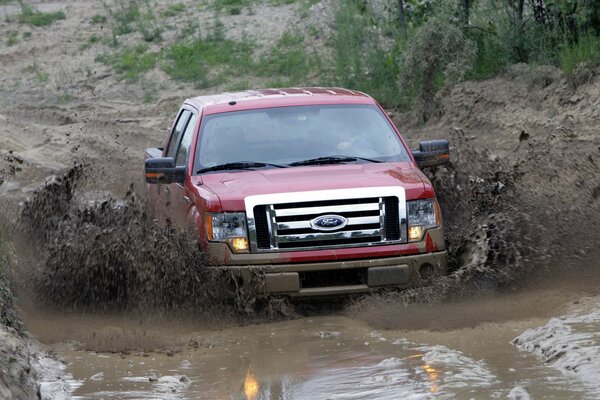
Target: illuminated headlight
422	215
229	228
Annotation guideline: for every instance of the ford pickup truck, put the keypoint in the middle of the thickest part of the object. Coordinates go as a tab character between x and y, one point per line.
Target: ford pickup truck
314	187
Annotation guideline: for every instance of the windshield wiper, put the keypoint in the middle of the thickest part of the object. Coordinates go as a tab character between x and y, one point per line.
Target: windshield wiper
239	165
331	160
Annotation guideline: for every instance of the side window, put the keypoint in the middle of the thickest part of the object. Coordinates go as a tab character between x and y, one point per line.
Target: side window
186	141
176	134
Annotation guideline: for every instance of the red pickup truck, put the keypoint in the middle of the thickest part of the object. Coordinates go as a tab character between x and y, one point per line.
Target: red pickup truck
313	186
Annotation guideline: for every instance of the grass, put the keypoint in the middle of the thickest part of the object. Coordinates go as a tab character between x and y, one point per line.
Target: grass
129	16
205	61
585	53
41	77
131	62
92	40
98	19
288	62
232	7
12	38
173	10
29	15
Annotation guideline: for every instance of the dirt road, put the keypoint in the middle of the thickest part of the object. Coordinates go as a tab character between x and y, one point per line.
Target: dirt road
60	106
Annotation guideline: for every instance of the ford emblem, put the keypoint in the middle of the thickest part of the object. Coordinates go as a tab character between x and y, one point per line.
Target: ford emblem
328	222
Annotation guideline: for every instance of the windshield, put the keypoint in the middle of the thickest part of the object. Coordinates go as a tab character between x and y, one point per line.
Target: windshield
287	135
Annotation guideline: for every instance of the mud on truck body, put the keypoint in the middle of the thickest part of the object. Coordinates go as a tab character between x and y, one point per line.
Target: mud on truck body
314	187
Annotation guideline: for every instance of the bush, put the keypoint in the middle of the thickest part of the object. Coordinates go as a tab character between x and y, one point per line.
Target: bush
585	53
492	57
438	55
360	60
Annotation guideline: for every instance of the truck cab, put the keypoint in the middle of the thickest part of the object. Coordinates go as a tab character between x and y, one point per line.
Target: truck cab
313	187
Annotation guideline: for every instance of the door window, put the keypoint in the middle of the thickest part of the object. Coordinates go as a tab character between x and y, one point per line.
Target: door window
177	132
186	141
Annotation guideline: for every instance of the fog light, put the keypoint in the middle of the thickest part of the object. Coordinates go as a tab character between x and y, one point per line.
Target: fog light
415	233
239	244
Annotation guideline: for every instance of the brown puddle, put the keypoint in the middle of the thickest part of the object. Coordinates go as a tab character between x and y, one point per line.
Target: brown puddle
325	357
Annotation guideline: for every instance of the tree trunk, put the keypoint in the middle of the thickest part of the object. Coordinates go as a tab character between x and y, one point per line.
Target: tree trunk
402	17
466	14
516	9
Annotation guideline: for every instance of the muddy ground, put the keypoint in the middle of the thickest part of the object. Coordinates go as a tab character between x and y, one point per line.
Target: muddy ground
521	204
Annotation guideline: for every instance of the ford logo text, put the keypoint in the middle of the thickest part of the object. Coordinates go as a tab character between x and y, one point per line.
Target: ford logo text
328	222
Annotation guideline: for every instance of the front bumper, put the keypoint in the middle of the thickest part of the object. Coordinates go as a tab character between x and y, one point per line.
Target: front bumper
336	277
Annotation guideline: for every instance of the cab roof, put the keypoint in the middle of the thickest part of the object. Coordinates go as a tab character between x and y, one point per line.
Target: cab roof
266	98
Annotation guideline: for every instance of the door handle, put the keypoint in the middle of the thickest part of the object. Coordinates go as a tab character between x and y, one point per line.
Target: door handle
186	200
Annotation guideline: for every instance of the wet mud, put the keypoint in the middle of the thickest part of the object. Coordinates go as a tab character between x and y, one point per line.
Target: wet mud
136	304
512	225
502	230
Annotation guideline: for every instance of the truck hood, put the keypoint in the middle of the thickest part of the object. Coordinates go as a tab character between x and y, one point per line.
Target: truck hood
233	187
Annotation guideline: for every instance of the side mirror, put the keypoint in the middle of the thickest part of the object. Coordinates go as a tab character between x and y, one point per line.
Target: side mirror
163	170
432	153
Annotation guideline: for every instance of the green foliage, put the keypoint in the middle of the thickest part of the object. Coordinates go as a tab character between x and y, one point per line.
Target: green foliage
135	15
173	10
232	7
98	19
205	61
90	42
41	77
439	54
12	38
282	2
288	62
360	60
29	15
131	62
492	56
547	32
583	54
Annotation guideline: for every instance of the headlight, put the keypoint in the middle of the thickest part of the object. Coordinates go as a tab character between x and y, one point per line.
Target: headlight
422	215
229	228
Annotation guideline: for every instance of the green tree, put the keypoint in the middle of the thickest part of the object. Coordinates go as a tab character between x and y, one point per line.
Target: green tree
438	55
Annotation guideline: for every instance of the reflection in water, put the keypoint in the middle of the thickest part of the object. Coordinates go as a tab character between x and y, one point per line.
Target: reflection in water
250	387
432	375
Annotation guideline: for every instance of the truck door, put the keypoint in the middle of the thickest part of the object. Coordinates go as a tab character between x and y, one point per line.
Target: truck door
164	191
179	193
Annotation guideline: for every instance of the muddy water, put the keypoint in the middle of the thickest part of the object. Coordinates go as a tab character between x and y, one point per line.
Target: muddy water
323	357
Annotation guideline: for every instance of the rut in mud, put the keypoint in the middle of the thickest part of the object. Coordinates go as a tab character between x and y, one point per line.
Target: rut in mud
103	253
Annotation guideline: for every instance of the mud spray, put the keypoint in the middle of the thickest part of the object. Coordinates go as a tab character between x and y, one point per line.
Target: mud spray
504	224
531	221
98	253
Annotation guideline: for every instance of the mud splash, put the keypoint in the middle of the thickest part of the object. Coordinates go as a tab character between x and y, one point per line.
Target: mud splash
502	227
507	224
100	253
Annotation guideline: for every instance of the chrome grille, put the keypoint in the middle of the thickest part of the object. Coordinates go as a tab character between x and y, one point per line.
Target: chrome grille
284	225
